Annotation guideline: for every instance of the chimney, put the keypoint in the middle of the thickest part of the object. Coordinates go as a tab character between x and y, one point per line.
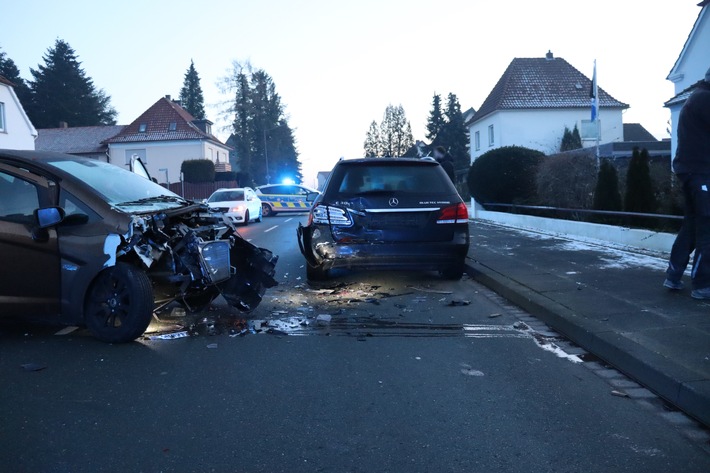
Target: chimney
549	55
63	125
167	97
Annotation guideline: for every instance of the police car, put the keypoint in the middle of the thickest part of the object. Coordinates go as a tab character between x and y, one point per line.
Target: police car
276	198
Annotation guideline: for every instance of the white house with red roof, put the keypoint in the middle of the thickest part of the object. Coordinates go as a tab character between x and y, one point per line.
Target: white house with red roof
16	129
533	102
689	67
163	137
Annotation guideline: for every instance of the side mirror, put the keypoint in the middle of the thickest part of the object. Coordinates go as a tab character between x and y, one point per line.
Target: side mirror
49	217
312	196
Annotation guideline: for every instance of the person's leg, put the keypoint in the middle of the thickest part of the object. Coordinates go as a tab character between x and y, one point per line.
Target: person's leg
684	243
700	188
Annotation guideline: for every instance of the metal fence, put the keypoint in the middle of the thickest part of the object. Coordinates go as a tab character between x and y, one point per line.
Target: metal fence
609	213
199	190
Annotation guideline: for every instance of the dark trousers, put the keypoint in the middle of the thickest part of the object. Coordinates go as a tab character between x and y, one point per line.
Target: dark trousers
694	234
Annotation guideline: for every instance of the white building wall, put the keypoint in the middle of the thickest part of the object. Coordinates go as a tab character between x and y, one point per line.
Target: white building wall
18	132
696	57
541	129
169	155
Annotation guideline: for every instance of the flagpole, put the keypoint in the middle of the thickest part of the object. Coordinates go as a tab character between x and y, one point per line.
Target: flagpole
595	110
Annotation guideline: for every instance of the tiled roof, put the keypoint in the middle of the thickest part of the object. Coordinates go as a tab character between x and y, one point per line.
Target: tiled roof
542	83
636	132
682	96
6	81
76	140
157	120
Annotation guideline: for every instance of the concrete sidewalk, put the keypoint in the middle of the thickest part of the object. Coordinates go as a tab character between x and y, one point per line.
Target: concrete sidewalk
607	300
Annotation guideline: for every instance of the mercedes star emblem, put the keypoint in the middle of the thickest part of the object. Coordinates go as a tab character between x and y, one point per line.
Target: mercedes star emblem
394	202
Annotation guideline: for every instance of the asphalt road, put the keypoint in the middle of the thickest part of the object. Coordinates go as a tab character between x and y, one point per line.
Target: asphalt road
404	378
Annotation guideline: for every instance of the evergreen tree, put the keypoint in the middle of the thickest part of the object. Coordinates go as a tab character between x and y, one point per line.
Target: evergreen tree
436	121
606	193
395	132
372	141
566	143
640	196
9	70
191	98
576	139
62	92
264	142
454	135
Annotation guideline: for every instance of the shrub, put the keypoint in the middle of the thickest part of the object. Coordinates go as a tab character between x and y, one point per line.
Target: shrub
505	175
198	170
567	180
640	196
225	176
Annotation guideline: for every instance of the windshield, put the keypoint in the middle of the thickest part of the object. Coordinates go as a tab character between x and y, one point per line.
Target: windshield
120	186
226	196
374	179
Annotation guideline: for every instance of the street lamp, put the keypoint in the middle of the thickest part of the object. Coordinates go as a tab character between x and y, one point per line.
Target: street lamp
167	180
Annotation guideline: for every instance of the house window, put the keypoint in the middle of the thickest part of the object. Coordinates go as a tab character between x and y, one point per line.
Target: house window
491	136
2	117
172	126
477	140
142	127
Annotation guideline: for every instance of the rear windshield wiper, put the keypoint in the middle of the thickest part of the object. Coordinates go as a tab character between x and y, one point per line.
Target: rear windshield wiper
154	199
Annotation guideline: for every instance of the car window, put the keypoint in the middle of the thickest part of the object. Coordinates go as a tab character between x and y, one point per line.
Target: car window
73	206
272	190
300	191
364	179
18	199
226	196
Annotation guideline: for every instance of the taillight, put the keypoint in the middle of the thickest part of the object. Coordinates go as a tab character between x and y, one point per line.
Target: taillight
329	215
453	214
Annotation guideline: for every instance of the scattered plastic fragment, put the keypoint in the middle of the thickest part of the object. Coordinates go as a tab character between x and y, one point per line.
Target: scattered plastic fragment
458	303
33	366
493	316
212	345
521	326
170	336
619	394
471	372
324	319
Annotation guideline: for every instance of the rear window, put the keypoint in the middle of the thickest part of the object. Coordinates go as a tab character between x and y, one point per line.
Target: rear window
361	179
226	196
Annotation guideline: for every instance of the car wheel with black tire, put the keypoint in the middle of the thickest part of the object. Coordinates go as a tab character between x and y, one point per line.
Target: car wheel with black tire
119	304
261	213
246	218
267	211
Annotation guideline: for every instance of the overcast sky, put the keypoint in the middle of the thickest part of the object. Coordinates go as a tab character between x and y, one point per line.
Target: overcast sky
338	64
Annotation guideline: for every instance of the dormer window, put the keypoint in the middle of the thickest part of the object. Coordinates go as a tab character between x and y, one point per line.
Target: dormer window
208	128
142	127
172	126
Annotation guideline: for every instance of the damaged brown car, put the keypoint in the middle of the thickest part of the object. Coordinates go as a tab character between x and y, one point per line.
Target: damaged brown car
101	246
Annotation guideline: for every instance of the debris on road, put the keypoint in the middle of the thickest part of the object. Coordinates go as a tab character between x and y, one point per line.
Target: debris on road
324	319
169	336
619	394
521	326
212	345
469	371
458	303
493	316
33	366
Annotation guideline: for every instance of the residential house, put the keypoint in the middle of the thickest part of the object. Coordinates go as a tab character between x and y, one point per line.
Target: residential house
163	137
87	141
533	102
16	130
689	67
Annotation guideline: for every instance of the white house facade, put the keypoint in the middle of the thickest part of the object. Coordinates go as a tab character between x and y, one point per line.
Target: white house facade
533	102
690	67
16	129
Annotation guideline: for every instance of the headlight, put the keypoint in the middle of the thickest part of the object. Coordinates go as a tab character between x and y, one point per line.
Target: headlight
238	208
214	257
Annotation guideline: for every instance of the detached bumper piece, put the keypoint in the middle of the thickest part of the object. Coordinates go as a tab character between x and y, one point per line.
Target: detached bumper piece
254	274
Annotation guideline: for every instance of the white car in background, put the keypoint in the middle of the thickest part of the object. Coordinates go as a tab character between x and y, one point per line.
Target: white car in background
240	205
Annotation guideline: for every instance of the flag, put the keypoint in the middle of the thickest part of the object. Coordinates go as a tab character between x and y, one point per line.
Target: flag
594	94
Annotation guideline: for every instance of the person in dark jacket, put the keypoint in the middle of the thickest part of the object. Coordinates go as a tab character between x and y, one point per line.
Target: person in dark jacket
446	161
692	166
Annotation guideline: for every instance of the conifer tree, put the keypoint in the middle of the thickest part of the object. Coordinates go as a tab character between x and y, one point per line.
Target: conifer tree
436	121
62	92
191	98
640	196
9	71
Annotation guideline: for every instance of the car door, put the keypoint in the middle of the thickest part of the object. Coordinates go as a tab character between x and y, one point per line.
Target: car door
29	256
253	203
